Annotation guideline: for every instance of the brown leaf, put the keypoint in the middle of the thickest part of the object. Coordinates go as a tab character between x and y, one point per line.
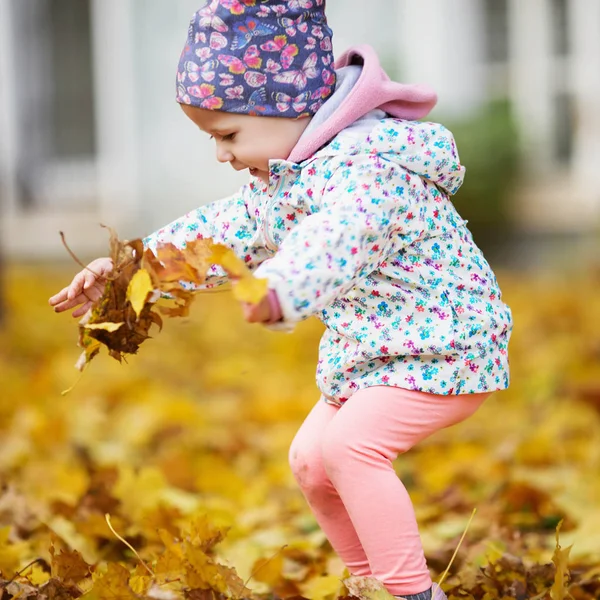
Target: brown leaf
68	566
54	589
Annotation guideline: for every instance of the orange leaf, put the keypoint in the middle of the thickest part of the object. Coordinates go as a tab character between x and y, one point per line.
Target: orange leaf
68	566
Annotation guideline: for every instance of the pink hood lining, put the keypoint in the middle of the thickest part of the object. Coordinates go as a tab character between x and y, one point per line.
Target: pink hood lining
374	89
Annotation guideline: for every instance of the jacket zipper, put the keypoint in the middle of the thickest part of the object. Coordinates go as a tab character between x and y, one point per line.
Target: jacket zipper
269	241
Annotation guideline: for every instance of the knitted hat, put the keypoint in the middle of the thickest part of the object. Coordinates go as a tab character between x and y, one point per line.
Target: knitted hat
258	57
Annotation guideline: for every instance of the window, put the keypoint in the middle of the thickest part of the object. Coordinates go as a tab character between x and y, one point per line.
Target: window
53	93
563	129
72	99
560	27
496	30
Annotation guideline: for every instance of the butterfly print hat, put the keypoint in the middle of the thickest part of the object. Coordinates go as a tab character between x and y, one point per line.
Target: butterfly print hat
258	57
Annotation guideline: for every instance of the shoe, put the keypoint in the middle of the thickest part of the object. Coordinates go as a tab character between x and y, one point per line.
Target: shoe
437	593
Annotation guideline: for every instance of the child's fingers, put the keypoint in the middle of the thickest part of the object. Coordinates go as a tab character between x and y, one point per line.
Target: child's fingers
86	298
89	279
82	309
58	298
69	303
76	285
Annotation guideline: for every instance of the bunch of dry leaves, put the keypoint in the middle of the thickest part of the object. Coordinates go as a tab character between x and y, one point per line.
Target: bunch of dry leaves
122	317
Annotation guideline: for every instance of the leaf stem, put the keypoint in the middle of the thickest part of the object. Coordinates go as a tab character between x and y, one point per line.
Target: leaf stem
457	548
73	255
107	517
265	564
18	574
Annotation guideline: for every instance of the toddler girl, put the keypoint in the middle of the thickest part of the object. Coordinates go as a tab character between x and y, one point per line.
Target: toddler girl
347	214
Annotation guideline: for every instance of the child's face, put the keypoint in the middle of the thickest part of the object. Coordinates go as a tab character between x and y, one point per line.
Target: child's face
248	142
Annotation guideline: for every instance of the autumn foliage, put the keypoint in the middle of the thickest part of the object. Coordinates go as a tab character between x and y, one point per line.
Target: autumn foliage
122	317
184	447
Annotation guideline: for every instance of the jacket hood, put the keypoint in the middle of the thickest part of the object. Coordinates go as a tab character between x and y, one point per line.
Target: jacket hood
373	90
423	148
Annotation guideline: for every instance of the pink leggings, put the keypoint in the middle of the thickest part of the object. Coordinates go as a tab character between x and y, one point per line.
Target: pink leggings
342	459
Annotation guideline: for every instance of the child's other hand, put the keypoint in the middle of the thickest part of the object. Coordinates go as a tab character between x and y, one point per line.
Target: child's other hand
257	313
87	286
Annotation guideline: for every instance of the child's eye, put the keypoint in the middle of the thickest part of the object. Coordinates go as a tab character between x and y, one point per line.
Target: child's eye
229	137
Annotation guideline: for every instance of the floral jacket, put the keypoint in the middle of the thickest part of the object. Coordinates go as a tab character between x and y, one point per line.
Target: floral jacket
363	235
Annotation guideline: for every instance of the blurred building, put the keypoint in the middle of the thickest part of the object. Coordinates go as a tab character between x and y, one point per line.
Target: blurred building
90	132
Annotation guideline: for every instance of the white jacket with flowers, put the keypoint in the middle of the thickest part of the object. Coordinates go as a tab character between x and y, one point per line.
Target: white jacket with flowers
363	235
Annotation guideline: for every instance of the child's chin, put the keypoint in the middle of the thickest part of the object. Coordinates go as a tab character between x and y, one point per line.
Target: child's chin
262	175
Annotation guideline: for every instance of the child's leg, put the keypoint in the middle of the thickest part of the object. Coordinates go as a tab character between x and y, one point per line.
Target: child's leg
306	461
359	445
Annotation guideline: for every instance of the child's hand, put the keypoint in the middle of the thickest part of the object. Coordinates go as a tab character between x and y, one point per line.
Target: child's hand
257	313
87	286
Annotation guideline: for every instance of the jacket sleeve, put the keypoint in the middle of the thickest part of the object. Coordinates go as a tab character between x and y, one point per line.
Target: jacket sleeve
362	218
231	221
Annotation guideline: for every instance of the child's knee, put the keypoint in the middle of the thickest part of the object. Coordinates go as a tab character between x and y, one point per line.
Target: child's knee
307	467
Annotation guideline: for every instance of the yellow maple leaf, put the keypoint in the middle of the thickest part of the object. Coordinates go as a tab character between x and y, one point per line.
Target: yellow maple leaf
327	587
138	290
365	588
36	575
113	585
67	532
140	581
170	542
139	491
247	288
251	290
204	573
226	258
203	533
560	558
268	570
169	565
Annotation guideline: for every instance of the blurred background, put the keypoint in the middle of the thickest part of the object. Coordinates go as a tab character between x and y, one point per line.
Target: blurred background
90	131
202	418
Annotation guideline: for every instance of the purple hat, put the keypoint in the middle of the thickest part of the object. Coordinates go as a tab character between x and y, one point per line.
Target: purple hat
258	57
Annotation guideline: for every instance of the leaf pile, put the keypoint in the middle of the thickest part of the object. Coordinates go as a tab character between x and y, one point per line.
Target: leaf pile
122	317
190	442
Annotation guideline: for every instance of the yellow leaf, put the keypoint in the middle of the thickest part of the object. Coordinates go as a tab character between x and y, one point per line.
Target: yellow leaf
113	585
140	581
36	575
67	532
205	573
560	558
139	492
226	258
169	565
250	289
10	554
268	570
170	543
110	327
247	287
327	587
138	290
367	588
204	534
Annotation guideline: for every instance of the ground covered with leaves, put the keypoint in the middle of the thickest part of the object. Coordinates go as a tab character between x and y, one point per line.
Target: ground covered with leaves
184	447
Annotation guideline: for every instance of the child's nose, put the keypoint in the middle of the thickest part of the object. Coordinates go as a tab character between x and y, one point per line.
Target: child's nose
223	155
